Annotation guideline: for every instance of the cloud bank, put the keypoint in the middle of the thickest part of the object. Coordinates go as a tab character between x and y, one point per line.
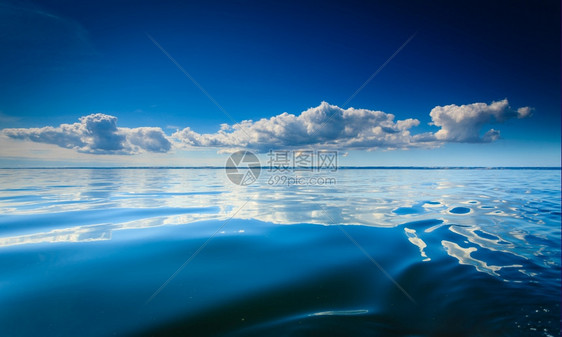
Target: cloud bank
326	126
331	126
96	134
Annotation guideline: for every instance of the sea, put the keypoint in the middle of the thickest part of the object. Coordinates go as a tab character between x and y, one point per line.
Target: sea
348	252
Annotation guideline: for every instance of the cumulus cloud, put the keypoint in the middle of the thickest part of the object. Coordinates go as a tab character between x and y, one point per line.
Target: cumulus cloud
96	134
148	138
464	123
326	126
331	126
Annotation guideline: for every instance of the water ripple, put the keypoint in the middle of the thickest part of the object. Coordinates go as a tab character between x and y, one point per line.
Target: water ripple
478	250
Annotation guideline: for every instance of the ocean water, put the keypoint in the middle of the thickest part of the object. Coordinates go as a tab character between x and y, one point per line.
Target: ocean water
184	252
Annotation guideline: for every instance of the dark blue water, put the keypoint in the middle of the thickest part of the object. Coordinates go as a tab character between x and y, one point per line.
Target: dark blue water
164	252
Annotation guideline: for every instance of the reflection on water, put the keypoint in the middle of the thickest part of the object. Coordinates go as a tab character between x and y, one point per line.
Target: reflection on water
411	233
99	201
501	224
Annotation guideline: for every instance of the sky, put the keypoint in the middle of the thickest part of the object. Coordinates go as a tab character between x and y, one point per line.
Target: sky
185	83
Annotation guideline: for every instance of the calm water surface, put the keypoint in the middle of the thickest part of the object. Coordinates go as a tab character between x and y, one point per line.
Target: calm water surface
126	252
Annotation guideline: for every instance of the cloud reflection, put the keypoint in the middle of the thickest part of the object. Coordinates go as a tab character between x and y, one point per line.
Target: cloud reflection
53	206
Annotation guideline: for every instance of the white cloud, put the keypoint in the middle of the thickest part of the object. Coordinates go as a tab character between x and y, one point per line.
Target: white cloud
357	128
326	125
96	134
464	123
150	139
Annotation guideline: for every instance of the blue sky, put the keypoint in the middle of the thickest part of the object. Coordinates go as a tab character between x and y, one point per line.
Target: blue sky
92	66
